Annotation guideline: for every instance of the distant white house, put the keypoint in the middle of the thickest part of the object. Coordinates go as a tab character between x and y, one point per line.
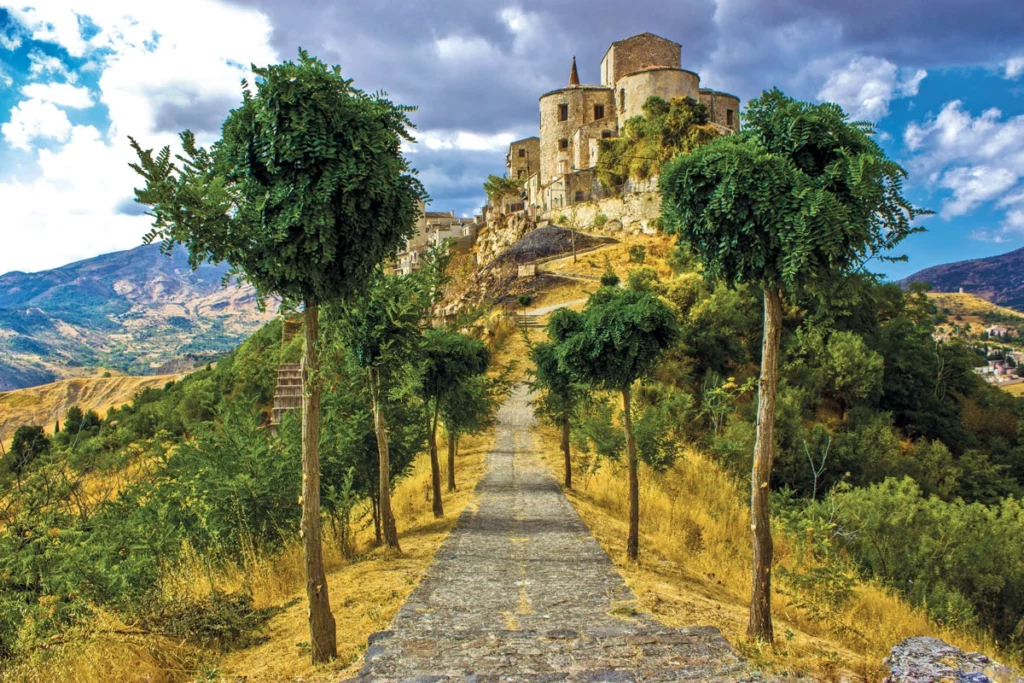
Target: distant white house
997	331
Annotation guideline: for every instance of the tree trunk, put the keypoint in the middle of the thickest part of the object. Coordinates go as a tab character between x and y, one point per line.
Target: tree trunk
435	466
321	622
451	461
565	452
760	626
375	512
633	540
380	427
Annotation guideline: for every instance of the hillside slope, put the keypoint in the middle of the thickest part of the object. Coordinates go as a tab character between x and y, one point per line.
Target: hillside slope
137	311
999	279
43	405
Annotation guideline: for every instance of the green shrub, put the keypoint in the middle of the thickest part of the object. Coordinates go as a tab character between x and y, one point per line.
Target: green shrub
600	220
524	300
637	253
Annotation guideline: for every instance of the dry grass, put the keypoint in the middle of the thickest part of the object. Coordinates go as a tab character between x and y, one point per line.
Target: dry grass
969	305
366	592
47	403
695	569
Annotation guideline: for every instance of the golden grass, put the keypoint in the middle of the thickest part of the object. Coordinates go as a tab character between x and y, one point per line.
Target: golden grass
366	592
969	305
47	403
695	564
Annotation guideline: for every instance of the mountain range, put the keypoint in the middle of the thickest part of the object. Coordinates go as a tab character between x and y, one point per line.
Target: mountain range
998	279
137	311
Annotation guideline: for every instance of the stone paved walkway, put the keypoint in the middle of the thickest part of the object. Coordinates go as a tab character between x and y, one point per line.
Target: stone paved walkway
521	591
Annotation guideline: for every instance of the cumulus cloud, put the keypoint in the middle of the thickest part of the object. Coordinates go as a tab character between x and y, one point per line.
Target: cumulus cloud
1013	67
159	70
60	94
979	159
10	39
35	120
866	85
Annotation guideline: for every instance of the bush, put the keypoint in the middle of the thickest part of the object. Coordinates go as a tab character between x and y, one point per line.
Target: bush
637	253
600	220
524	300
218	620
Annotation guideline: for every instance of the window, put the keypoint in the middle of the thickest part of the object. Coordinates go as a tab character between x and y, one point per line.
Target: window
606	133
622	101
728	117
563	112
563	143
522	152
522	173
579	195
598	111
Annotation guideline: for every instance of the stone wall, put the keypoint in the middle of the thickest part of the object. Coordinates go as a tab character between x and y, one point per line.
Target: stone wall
583	152
629	214
636	53
632	90
719	105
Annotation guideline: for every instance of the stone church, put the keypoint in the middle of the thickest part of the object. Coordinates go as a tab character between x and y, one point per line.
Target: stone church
558	168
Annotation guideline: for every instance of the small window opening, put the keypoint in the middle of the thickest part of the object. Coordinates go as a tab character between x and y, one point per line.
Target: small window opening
728	117
563	112
563	143
598	111
522	152
606	133
622	100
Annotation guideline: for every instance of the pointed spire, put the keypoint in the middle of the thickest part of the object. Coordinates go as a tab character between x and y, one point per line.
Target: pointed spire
574	77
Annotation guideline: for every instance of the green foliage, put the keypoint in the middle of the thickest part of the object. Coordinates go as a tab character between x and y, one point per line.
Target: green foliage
305	193
600	220
28	443
448	359
644	279
618	338
663	131
608	277
800	194
957	559
497	188
524	300
637	253
560	395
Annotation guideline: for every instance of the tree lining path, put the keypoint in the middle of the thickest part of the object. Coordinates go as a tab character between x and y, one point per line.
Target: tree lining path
521	591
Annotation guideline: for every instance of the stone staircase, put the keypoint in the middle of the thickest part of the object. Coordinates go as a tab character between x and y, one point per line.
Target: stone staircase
288	394
524	320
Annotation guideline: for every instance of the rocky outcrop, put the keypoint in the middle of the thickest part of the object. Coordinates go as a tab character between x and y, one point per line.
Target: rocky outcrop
500	234
928	660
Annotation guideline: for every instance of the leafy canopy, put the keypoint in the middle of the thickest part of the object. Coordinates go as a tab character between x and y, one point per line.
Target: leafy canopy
801	193
663	131
497	188
561	395
449	358
304	194
617	338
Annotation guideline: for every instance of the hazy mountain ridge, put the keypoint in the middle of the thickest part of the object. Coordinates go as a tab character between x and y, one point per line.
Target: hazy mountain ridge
998	279
137	311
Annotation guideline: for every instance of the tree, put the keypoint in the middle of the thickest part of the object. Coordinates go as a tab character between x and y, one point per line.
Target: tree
497	188
380	331
560	398
468	408
800	195
617	339
449	360
28	443
304	195
664	130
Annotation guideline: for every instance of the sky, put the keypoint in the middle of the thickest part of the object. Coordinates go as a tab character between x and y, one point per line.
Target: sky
943	80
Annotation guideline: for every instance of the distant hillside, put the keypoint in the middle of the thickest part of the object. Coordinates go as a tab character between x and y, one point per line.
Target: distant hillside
136	311
45	404
998	279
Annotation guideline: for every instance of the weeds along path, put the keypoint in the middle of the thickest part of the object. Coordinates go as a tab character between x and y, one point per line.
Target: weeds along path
521	591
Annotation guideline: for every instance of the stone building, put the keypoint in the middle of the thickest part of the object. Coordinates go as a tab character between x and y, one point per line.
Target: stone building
575	118
523	158
433	228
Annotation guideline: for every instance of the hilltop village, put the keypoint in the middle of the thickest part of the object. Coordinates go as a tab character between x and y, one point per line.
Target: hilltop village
557	169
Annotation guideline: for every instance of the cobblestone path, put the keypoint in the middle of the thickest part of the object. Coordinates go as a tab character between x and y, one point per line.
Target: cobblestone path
521	591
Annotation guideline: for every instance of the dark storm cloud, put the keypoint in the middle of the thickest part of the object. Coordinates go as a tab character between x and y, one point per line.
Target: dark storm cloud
192	112
480	66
